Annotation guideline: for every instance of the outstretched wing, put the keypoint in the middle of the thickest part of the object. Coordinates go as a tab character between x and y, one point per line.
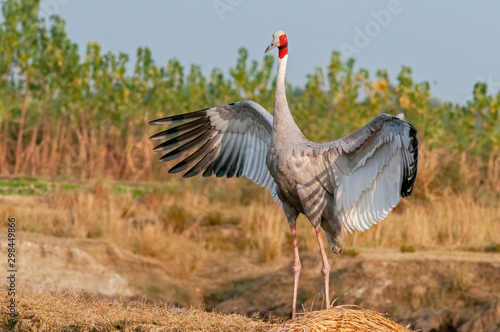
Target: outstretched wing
227	140
370	170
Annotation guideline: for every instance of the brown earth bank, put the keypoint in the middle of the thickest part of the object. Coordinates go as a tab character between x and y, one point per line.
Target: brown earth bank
430	291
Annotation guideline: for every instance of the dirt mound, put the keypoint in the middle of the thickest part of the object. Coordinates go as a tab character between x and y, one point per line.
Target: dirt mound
96	267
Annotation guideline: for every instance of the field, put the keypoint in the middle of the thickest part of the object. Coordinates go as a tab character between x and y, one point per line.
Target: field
100	220
205	243
202	215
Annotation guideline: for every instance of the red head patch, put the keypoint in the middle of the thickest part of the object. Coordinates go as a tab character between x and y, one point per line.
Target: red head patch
283	48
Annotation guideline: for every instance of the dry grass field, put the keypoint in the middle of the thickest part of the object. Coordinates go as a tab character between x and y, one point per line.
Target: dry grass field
224	245
186	219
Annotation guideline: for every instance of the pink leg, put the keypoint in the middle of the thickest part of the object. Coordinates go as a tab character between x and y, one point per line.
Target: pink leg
325	271
296	268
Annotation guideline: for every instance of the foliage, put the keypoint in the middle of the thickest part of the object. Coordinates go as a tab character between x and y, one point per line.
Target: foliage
63	115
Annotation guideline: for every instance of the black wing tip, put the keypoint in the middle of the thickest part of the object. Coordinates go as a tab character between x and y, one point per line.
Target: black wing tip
157	137
188	126
156	122
167	145
166	157
180	117
410	173
409	184
413	131
175	169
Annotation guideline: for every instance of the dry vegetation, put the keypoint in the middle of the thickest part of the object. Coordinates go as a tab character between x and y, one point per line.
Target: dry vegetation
342	319
79	312
187	219
85	119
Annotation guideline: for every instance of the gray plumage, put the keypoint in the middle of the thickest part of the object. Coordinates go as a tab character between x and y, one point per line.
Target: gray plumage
346	185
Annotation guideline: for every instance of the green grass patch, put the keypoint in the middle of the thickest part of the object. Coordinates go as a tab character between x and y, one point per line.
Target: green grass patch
407	248
22	186
69	186
351	252
492	248
118	189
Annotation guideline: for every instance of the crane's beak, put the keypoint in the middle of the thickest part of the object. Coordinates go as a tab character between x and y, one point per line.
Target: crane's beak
274	43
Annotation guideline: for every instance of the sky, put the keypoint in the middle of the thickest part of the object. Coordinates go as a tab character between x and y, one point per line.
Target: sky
452	44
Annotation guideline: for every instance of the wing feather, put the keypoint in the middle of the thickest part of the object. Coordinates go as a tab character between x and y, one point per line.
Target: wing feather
227	140
193	158
179	130
370	170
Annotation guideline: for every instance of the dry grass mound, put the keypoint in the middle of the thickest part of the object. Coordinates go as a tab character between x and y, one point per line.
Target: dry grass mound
343	318
80	312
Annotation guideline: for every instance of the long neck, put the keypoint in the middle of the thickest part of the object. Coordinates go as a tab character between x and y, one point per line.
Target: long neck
285	128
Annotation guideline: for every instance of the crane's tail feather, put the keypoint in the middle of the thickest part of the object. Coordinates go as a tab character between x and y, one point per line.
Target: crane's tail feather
334	234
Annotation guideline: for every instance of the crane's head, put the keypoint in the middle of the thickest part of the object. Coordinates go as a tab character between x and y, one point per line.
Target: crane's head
279	41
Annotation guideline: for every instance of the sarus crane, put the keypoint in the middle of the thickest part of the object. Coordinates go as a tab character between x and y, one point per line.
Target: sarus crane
345	185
